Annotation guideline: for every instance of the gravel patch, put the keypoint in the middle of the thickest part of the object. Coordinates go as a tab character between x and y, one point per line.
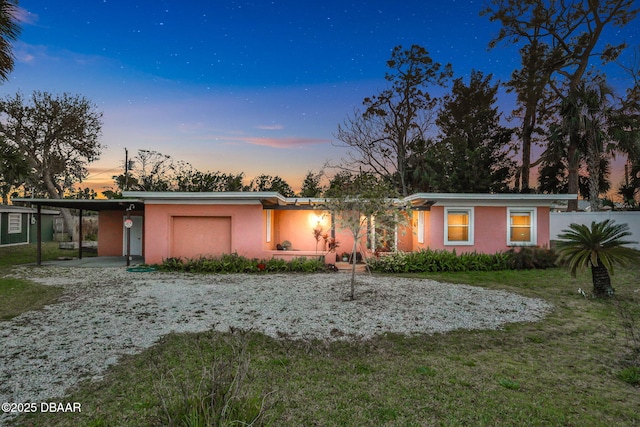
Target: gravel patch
106	313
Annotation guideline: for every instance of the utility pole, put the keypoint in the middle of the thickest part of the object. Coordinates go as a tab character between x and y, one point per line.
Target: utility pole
126	170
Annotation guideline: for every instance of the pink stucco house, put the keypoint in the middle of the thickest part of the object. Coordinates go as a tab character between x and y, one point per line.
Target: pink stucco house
260	224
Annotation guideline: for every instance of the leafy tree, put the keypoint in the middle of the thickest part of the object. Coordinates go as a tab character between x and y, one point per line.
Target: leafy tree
380	139
472	153
57	136
14	170
271	183
628	189
152	171
82	193
571	31
592	110
311	185
530	83
195	180
604	128
600	247
366	198
339	184
9	31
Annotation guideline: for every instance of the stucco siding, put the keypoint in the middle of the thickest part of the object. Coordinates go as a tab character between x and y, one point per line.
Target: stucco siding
111	232
200	236
246	224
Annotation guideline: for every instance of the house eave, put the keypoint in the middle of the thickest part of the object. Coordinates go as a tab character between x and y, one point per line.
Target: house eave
265	198
485	199
84	204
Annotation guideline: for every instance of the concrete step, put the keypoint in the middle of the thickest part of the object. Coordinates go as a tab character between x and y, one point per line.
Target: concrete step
346	267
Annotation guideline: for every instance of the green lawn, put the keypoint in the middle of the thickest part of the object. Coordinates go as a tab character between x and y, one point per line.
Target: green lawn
564	370
17	296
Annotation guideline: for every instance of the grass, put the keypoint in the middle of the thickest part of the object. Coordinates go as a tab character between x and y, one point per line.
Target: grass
573	368
18	296
26	254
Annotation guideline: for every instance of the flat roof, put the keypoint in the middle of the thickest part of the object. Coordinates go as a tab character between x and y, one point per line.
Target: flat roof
23	209
274	200
89	205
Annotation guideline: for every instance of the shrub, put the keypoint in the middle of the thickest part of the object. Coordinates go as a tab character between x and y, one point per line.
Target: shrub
432	261
234	263
172	264
528	258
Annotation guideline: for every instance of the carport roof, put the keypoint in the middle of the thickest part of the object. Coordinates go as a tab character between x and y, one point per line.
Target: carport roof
89	205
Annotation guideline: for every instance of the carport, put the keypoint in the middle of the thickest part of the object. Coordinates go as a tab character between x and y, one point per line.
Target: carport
123	205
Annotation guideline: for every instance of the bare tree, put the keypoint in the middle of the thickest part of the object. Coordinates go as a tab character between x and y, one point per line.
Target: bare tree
381	138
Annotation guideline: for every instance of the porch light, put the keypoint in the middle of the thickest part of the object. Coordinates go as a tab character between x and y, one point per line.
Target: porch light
317	221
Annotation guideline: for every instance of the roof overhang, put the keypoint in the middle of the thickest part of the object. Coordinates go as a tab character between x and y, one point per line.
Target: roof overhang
89	205
484	199
22	209
265	198
274	200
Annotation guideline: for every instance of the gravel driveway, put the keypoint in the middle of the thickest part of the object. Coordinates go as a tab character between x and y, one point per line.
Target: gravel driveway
108	312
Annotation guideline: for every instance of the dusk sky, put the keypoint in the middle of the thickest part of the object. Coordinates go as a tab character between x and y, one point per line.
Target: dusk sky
236	86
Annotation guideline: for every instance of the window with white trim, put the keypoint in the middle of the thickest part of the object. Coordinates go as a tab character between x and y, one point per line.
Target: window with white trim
521	228
458	226
15	223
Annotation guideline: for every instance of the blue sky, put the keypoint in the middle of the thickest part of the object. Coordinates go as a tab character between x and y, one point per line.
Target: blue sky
239	86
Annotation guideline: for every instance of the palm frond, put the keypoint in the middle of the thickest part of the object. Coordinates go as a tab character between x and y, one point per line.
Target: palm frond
602	244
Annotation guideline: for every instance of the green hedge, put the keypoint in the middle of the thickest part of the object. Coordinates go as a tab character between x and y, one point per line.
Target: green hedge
445	261
234	263
422	261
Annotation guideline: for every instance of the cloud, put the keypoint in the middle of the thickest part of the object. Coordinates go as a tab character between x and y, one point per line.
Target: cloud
290	142
27	54
270	127
24	16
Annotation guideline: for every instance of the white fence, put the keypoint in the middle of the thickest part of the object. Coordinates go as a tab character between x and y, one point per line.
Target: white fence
560	221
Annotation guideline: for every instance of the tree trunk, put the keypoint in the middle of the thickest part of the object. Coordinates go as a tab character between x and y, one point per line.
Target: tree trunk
601	281
353	267
573	159
593	168
69	224
527	131
66	213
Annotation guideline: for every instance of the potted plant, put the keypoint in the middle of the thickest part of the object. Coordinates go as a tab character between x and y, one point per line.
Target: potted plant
345	257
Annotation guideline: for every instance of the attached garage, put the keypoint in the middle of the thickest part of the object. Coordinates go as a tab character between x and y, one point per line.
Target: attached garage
195	236
193	225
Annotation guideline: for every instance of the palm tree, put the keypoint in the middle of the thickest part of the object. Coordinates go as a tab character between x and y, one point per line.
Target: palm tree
9	31
600	247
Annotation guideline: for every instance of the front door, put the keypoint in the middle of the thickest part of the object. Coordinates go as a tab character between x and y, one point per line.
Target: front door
136	236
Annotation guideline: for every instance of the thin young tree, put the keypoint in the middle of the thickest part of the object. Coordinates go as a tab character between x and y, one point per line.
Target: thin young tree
365	199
